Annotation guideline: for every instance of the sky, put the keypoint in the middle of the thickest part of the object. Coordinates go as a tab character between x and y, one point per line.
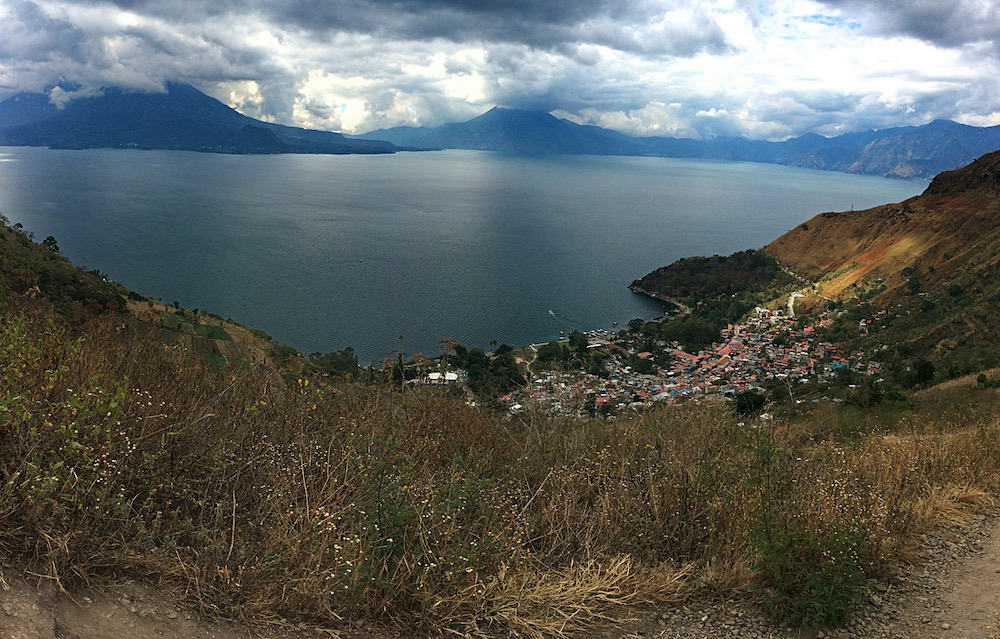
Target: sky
767	69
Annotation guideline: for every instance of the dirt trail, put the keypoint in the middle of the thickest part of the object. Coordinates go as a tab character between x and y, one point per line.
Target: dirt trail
133	611
972	609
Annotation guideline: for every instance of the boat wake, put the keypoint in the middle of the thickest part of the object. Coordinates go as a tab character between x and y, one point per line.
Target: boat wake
562	320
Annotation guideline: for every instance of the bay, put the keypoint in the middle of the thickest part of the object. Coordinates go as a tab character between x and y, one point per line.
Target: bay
324	252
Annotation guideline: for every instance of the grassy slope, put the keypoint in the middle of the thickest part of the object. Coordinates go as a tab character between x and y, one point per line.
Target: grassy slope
951	230
122	457
36	271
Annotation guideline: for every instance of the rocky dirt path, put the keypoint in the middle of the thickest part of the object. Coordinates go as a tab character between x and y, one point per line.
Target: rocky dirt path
134	611
971	606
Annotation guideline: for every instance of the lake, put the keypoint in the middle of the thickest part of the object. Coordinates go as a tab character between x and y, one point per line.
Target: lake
324	252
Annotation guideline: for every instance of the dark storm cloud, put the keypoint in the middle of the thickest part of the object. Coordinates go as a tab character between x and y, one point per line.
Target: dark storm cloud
946	23
544	25
541	24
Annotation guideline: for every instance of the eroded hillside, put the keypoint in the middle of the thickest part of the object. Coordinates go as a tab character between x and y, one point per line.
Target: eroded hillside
952	228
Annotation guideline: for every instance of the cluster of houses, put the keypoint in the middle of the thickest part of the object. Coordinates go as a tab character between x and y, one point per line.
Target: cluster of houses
765	348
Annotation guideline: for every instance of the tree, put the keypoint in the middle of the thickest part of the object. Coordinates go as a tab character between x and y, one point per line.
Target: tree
642	366
925	372
344	362
749	402
868	393
449	345
550	351
51	244
578	342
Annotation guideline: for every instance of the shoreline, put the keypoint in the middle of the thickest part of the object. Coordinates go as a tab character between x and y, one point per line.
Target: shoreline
683	309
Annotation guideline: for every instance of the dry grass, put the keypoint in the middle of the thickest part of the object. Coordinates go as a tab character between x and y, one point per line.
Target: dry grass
721	575
948	506
958	382
122	457
545	603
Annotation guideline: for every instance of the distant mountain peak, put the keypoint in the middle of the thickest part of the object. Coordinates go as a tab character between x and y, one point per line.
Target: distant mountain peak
177	117
942	123
506	113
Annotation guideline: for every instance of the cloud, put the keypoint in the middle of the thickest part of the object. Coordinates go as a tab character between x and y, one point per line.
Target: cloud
698	68
946	23
644	26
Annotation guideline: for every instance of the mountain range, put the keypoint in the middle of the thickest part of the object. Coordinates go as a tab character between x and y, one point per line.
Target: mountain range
180	118
913	151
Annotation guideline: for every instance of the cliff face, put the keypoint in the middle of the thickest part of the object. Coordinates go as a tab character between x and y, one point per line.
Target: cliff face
981	178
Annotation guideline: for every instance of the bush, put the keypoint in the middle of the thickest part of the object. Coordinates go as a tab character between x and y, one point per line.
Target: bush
749	402
810	579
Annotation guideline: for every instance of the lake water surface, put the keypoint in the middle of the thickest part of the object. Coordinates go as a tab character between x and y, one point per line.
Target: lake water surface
324	252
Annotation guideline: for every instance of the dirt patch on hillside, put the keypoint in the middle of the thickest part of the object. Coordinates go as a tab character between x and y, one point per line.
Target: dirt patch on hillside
29	610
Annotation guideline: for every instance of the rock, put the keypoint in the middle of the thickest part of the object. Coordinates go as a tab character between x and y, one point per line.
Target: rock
172	615
946	626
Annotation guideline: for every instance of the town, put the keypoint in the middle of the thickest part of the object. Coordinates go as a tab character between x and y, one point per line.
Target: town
768	348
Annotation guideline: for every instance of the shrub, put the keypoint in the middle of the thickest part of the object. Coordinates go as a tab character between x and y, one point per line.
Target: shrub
810	579
749	402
